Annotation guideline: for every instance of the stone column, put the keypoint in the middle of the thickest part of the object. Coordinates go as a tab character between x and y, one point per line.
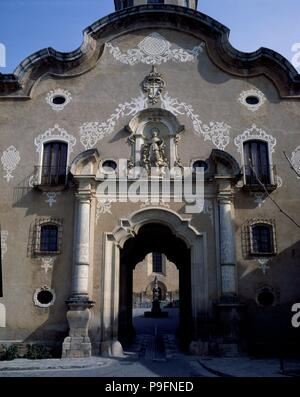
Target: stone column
82	248
110	346
227	249
229	309
78	344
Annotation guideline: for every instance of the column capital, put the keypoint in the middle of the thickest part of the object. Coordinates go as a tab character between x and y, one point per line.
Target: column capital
225	198
84	197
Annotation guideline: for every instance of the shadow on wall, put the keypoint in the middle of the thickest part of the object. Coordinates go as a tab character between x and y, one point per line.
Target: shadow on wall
267	329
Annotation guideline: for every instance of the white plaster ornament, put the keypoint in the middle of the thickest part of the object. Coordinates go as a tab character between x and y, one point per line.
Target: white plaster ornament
36	294
4	236
10	160
51	197
92	132
254	133
47	263
252	93
216	132
155	50
260	198
159	203
102	208
55	93
55	133
263	265
295	160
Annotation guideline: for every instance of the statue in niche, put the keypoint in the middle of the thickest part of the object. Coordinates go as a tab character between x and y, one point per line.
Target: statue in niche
153	153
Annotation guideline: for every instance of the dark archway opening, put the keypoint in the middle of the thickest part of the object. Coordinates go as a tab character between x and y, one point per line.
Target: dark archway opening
155	237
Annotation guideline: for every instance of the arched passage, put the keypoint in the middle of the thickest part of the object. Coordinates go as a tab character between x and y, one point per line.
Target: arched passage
155	237
129	242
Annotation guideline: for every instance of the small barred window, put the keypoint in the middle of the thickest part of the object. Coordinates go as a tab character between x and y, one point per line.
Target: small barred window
49	238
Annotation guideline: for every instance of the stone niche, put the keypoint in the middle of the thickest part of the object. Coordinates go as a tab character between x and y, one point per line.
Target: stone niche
154	138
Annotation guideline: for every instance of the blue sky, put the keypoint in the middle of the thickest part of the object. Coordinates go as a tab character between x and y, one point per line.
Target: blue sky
29	25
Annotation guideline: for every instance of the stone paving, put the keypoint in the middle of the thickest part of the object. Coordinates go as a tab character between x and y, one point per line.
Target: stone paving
133	366
155	353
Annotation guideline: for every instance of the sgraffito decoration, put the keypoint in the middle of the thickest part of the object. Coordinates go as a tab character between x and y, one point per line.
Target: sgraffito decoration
92	132
216	132
102	208
47	263
263	265
252	93
10	160
295	159
254	133
58	92
55	133
155	50
51	197
4	236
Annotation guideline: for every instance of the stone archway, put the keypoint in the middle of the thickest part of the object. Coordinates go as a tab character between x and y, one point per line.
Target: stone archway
114	242
155	237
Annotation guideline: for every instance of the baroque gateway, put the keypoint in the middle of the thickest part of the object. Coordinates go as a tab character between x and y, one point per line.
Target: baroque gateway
156	85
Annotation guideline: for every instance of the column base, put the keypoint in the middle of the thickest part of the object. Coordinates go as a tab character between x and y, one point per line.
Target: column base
111	348
78	344
230	319
76	347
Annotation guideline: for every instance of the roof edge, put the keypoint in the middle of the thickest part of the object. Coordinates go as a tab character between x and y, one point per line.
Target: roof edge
263	61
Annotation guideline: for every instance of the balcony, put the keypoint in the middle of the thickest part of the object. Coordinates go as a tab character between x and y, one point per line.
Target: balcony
259	179
50	178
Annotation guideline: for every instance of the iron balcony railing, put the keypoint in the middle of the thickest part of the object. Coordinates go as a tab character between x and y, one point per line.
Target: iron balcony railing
50	176
257	178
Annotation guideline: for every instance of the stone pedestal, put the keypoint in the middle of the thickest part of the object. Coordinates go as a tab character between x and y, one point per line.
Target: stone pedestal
78	344
229	317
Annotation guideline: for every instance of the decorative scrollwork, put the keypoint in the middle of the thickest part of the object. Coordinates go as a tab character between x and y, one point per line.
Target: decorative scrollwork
155	50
